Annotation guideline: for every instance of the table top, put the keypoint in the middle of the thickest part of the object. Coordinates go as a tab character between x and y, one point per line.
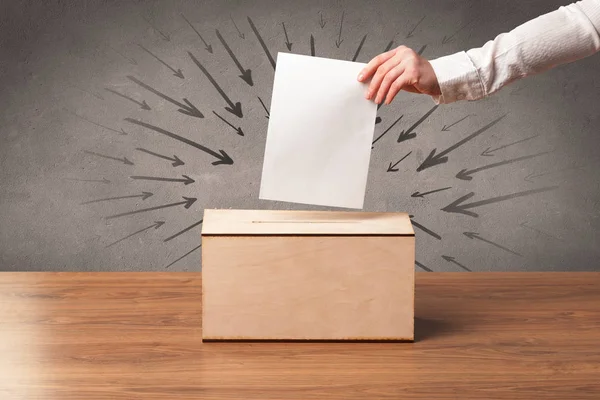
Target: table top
480	335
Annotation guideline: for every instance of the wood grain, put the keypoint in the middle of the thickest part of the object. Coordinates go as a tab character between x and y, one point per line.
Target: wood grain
130	336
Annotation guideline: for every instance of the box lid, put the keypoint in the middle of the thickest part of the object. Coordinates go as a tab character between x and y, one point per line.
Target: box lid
293	222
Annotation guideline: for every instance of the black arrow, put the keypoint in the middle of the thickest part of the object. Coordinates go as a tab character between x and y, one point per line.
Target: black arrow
144	196
453	261
409	134
458	207
186	179
465	174
129	59
103	180
448	39
265	107
235	109
183	231
176	72
410	34
359	48
238	129
339	40
530	177
387	130
96	95
187	204
207	46
142	104
389	46
176	161
187	108
287	40
240	34
312	45
121	132
435	159
165	37
475	235
421	195
321	22
392	168
223	158
422	266
524	225
446	128
262	43
246	73
124	160
424	229
421	50
185	255
378	119
155	225
489	152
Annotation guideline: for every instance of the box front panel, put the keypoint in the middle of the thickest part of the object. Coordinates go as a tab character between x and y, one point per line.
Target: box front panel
308	287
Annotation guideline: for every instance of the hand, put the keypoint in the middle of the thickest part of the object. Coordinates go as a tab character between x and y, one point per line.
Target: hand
399	69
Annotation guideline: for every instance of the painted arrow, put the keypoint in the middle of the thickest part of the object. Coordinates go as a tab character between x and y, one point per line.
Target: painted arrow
121	132
262	42
187	108
164	36
124	160
389	46
392	168
422	195
321	22
339	40
312	46
475	235
524	225
410	34
409	134
144	196
387	130
185	255
96	95
424	229
435	159
246	73
287	39
235	109
176	160
465	174
176	72
103	180
418	264
222	157
183	231
186	179
453	261
532	176
489	152
265	107
238	129
129	59
422	50
378	119
155	225
448	39
459	207
187	203
207	46
446	128
362	42
142	104
240	34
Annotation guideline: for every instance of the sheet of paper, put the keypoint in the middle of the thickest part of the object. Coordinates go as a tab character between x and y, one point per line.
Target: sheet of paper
318	145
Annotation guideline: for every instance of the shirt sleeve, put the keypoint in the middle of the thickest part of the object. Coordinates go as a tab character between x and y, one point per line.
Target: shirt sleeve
565	35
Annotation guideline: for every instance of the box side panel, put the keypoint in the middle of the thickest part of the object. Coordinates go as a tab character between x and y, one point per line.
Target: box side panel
307	287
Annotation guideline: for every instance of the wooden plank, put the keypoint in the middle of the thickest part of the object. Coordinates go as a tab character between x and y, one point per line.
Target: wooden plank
484	335
296	222
307	287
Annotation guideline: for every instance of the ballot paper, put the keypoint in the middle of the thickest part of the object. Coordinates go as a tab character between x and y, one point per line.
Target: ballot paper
320	132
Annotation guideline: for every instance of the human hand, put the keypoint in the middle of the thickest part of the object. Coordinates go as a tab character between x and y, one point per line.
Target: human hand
399	69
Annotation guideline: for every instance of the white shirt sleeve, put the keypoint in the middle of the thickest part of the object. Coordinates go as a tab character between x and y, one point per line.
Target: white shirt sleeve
565	35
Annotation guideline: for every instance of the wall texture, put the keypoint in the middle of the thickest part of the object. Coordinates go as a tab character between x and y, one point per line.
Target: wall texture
85	185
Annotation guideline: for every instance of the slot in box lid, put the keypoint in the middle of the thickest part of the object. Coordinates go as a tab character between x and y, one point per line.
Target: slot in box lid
302	222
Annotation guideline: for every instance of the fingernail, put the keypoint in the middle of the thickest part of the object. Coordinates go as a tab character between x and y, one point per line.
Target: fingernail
360	77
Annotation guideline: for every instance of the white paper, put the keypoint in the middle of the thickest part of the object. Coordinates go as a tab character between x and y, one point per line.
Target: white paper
320	132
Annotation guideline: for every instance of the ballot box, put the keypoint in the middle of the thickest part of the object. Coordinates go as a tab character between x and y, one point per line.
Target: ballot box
307	275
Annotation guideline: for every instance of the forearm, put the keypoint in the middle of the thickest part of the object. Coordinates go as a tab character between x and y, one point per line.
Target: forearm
565	35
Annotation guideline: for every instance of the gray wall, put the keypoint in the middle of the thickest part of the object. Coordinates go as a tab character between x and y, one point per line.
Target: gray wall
59	123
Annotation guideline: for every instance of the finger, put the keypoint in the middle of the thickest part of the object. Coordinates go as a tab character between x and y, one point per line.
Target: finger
380	75
387	81
372	66
402	82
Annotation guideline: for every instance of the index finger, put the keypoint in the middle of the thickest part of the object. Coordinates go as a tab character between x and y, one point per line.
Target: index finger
372	66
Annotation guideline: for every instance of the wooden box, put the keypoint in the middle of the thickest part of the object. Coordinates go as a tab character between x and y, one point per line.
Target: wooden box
307	275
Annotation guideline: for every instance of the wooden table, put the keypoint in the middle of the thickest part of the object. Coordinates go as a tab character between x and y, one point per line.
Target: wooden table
137	336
